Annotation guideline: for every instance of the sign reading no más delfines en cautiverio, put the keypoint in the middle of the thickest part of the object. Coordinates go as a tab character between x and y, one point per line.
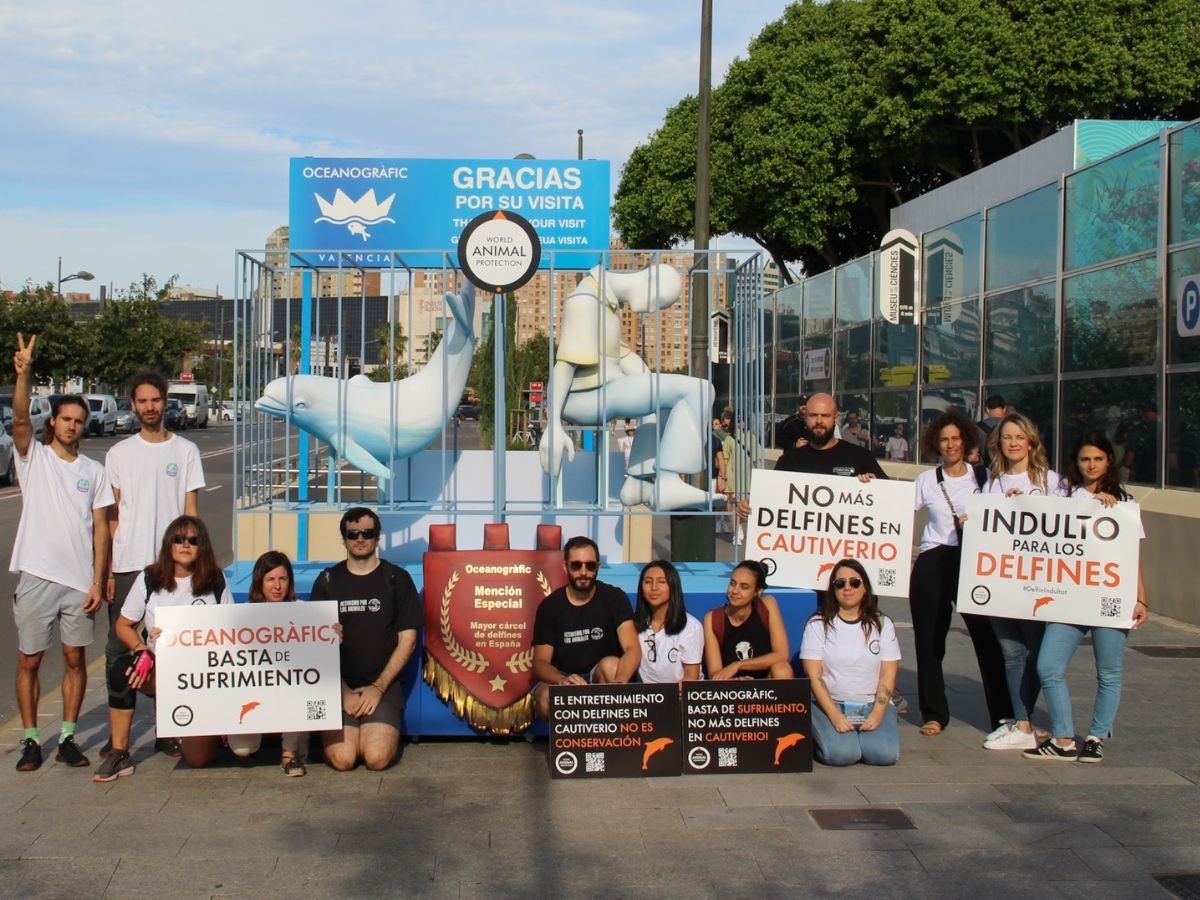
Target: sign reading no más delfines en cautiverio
366	207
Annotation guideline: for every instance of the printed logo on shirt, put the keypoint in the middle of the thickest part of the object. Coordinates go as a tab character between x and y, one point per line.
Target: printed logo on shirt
597	634
352	606
172	469
743	650
581	635
844	471
874	647
199	601
83	485
373	604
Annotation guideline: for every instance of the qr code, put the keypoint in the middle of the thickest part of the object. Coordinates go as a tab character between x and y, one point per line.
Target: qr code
593	762
887	578
726	757
316	710
1110	607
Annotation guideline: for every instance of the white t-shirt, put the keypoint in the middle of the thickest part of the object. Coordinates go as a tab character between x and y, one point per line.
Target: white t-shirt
54	538
1085	496
897	448
1002	484
154	481
849	661
672	652
939	529
138	607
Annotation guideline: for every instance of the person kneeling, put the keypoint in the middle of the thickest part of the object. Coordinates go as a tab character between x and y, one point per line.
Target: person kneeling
746	638
851	655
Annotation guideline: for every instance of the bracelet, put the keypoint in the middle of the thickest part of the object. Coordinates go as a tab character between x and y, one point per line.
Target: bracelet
112	577
1144	603
375	685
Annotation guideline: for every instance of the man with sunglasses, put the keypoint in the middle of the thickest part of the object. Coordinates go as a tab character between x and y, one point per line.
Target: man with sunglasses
583	632
380	613
156	477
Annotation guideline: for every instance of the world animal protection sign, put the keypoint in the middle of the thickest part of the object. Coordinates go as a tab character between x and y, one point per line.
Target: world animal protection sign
803	524
1052	559
251	668
366	207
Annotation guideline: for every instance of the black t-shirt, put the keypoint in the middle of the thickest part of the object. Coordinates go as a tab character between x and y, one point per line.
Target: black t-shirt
843	458
751	638
582	635
373	610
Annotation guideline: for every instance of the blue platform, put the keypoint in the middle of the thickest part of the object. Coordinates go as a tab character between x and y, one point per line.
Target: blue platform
426	715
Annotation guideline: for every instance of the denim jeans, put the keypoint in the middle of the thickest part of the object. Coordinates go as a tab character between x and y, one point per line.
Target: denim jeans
1058	646
880	747
1019	641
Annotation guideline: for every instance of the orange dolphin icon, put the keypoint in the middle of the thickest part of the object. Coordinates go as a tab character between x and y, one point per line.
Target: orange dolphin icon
788	740
653	747
1040	602
825	567
247	707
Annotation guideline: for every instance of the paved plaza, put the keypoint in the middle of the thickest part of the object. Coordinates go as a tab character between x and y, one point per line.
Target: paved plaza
484	819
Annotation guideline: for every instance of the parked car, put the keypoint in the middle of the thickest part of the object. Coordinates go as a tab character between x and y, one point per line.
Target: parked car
39	412
102	417
8	463
127	420
194	398
175	417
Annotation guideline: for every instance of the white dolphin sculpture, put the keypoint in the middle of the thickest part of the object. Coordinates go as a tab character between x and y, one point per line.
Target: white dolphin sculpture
368	424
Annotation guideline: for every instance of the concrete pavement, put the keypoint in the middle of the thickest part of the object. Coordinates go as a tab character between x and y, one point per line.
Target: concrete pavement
483	818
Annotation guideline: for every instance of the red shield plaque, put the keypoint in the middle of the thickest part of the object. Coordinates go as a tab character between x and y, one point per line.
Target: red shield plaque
479	611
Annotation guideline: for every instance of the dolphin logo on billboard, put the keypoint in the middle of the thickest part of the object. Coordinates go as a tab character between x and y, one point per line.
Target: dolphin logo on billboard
355	214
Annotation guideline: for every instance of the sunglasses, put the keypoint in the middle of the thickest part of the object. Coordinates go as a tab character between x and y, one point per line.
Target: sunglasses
186	539
575	565
367	534
839	583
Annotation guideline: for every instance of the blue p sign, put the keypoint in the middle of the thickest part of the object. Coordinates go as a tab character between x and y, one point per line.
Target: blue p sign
1188	320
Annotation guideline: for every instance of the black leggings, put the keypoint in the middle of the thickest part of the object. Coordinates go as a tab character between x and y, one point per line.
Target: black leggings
931	595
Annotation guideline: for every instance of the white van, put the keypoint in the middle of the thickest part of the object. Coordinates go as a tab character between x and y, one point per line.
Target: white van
102	413
194	398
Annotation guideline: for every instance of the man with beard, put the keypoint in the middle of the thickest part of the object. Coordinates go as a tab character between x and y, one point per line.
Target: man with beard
825	454
380	613
155	477
583	632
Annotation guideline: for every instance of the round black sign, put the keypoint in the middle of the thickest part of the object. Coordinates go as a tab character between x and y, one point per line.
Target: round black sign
499	251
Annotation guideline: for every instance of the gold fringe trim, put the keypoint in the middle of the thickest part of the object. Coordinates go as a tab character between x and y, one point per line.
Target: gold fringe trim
512	719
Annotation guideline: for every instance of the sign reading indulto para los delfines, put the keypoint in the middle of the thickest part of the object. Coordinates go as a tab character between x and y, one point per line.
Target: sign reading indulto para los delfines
747	726
621	730
805	523
248	668
1052	559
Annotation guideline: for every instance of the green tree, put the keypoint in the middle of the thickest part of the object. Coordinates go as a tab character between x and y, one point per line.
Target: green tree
134	334
62	345
383	336
432	341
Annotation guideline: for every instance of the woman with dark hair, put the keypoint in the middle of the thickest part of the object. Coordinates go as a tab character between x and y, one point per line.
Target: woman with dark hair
270	582
746	638
1019	466
851	656
672	639
1091	477
185	573
933	587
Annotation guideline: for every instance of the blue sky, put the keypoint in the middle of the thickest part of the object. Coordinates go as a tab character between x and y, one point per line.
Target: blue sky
156	136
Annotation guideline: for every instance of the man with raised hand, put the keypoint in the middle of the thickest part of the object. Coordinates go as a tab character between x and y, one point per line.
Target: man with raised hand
60	553
156	477
380	612
583	632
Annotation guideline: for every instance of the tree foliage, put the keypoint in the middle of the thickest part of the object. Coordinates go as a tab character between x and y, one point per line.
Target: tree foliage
843	109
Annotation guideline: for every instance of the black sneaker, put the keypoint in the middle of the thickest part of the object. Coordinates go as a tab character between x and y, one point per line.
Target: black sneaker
1047	749
118	765
106	750
1093	750
169	746
31	756
69	753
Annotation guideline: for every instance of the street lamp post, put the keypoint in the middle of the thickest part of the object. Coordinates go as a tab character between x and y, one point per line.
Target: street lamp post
81	275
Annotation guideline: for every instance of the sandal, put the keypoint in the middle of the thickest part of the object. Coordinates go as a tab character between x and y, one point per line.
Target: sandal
293	767
931	728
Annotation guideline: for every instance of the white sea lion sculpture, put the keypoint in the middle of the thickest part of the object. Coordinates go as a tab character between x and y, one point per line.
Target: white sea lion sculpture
598	379
369	424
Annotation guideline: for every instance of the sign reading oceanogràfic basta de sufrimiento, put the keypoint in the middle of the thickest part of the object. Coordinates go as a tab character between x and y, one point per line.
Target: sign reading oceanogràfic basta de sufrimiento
248	668
747	726
1051	559
614	730
804	524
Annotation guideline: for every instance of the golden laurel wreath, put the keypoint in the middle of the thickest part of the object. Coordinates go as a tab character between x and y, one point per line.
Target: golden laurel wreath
471	660
523	660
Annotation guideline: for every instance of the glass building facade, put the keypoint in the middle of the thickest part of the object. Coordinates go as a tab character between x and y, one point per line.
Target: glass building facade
1064	300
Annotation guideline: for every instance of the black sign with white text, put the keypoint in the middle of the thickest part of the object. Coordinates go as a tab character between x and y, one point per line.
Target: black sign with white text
747	726
614	730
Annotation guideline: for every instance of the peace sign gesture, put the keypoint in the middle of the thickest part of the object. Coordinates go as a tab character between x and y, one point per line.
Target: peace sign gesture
23	358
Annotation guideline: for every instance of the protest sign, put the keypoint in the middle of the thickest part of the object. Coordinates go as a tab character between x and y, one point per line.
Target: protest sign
803	524
614	730
251	668
1053	559
747	726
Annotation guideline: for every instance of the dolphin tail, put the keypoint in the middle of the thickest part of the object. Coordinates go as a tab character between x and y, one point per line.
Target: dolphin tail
458	306
354	453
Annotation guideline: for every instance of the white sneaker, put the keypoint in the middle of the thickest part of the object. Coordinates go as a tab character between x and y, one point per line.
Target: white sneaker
1013	739
1005	725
